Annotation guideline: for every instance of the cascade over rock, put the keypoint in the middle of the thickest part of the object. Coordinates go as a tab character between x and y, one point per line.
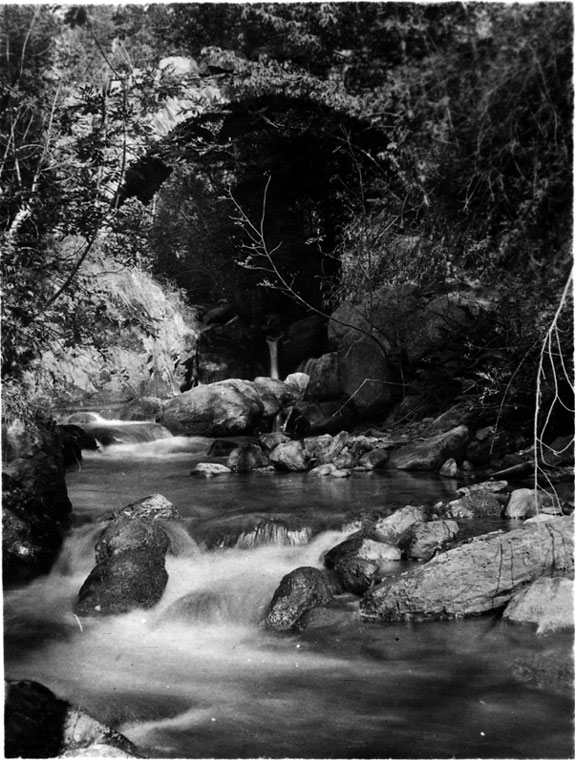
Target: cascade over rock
130	571
299	592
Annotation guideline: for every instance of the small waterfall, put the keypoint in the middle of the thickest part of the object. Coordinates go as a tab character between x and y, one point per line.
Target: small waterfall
273	349
273	533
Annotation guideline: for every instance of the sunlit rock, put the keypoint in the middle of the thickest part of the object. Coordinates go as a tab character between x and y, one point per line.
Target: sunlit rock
423	540
474	504
289	456
547	603
228	407
478	576
209	470
526	502
392	527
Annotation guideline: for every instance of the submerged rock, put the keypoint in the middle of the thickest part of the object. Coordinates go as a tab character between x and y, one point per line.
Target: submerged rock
298	593
478	576
209	470
38	724
547	603
131	569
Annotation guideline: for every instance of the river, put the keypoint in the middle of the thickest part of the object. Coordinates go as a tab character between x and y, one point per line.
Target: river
197	677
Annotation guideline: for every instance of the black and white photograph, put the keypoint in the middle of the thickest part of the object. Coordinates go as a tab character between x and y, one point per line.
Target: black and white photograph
288	392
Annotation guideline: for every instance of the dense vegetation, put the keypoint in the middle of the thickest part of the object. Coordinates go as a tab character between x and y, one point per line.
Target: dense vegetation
433	143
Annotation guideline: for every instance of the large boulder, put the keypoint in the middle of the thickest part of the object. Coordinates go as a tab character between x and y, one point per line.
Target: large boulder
228	407
36	510
298	593
130	571
475	577
432	453
324	379
547	604
367	378
39	724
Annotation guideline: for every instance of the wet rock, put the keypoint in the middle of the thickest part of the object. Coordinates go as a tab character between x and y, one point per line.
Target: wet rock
326	448
246	458
432	453
424	540
357	574
228	407
209	470
493	486
478	576
449	469
298	592
131	569
526	502
153	507
268	441
547	603
35	504
474	504
284	393
323	470
391	528
289	456
365	548
38	724
222	448
373	460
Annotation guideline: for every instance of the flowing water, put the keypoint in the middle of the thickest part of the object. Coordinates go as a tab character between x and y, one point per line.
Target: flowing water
196	677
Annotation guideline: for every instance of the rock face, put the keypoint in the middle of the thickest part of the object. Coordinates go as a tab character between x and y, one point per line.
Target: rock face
38	724
130	571
432	453
366	377
36	510
324	379
478	576
228	407
298	593
547	603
